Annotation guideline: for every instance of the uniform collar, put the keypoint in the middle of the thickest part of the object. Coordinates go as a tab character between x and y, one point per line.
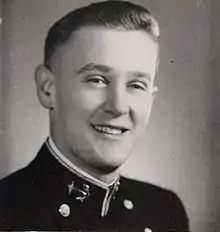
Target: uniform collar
110	189
73	168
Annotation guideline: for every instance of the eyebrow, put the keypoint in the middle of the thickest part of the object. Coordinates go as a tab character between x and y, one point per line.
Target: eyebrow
139	74
95	67
107	69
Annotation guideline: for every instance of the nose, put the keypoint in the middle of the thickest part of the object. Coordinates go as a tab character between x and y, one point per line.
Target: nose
116	102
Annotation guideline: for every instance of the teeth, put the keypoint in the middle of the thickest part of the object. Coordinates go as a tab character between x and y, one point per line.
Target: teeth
108	130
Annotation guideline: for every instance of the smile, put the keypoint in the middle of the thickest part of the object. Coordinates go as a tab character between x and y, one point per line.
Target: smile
109	130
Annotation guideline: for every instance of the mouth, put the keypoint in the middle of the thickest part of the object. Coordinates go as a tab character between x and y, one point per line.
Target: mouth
110	130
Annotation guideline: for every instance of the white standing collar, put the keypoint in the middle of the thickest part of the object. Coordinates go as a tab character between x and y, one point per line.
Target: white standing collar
73	168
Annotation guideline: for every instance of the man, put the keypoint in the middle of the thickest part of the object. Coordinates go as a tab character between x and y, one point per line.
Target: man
97	82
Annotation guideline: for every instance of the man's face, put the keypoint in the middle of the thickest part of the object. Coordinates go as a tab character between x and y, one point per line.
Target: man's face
104	93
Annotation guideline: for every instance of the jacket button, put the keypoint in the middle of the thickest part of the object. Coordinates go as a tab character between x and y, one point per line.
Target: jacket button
147	230
128	204
64	210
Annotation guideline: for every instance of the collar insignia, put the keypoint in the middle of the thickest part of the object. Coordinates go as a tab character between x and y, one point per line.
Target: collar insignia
81	194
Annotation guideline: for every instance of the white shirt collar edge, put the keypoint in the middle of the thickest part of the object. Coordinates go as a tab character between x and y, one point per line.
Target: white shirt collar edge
73	168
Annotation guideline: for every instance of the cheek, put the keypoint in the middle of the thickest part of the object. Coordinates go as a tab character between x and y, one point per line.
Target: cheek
142	110
79	104
88	100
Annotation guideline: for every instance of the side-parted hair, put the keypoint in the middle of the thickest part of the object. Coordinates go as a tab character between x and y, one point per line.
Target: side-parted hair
121	15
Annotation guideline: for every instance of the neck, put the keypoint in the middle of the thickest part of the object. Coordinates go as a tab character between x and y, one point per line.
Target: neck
81	167
107	178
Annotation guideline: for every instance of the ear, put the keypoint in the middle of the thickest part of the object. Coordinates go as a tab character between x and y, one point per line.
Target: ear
153	95
154	91
45	83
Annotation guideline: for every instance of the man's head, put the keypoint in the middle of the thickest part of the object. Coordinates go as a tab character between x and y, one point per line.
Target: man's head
98	81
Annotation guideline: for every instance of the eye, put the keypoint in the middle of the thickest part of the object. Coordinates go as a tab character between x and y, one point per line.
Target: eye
138	85
96	81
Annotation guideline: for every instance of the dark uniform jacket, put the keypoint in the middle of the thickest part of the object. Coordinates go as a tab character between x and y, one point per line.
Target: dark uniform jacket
45	195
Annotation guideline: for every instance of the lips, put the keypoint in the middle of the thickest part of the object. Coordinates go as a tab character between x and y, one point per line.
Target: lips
110	130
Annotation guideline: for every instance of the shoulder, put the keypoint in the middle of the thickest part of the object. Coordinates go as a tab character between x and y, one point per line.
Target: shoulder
16	188
25	178
17	182
24	185
160	202
143	189
22	200
14	181
18	185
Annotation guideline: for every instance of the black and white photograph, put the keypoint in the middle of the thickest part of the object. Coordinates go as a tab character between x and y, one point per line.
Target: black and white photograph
110	115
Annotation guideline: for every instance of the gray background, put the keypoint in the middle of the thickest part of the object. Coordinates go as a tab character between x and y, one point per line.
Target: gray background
181	148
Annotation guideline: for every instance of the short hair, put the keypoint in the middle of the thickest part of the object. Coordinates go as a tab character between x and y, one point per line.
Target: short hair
114	14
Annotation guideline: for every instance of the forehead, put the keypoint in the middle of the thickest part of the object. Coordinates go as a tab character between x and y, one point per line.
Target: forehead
120	49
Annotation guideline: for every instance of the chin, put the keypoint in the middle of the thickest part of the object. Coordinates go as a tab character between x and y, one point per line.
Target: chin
109	166
111	161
